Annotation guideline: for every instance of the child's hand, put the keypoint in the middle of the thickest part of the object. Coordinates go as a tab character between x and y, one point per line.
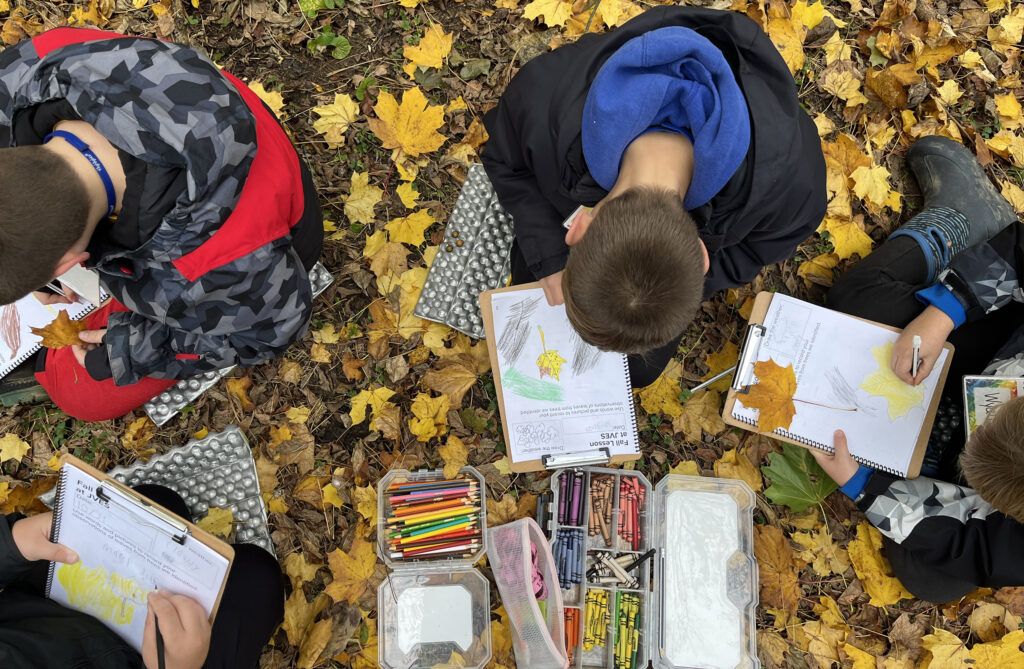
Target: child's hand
32	537
69	297
839	465
185	628
552	286
933	326
91	339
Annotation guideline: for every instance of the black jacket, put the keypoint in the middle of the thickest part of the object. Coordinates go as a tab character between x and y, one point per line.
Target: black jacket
534	156
38	633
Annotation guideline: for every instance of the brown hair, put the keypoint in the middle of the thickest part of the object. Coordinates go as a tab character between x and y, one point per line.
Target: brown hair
636	279
44	208
993	459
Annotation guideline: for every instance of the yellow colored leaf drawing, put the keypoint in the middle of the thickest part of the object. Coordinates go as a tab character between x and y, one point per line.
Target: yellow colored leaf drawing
12	447
772	396
410	229
411	126
362	197
873	569
335	119
109	596
550	362
884	382
432	49
554	12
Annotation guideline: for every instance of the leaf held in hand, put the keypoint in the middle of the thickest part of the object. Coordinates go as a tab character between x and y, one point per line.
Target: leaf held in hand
61	332
772	396
797	481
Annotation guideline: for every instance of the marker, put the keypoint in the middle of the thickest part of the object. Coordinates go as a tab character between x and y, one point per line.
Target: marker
917	355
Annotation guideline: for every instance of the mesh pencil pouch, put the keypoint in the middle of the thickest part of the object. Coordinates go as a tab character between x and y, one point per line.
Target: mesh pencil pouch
538	637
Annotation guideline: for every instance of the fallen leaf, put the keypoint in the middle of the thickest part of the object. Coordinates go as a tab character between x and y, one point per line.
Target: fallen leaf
297	415
701	413
818	270
12	447
361	198
239	389
949	92
410	229
718	362
433	48
365	501
387	420
873	570
662	396
736	465
329	495
61	332
407	194
777	568
871	184
452	378
319	353
772	396
218	522
455	455
352	367
430	416
686	468
289	371
374	399
1013	194
335	119
374	243
1004	653
840	79
139	433
554	12
299	614
314	643
796	480
298	570
351	569
822	553
848	238
501	511
990	622
411	126
947	650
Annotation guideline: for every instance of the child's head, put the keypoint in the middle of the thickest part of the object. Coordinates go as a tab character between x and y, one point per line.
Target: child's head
44	208
636	279
993	459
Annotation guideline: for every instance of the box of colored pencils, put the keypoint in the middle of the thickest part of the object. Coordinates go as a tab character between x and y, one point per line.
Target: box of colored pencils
425	517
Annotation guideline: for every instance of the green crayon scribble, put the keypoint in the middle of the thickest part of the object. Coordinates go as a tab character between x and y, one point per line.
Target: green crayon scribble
535	389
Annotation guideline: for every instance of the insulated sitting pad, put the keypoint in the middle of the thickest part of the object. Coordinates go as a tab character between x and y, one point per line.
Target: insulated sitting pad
167	404
474	257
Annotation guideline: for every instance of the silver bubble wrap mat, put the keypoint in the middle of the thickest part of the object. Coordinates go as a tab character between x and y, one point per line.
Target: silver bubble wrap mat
167	404
474	257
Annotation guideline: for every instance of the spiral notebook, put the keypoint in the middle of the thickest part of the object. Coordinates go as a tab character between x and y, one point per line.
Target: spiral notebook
562	401
127	546
843	381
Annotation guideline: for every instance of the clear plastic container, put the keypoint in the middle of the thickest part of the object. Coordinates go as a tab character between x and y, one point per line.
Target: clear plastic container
705	593
432	612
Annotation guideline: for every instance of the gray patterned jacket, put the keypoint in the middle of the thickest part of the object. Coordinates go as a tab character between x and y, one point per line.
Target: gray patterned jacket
218	282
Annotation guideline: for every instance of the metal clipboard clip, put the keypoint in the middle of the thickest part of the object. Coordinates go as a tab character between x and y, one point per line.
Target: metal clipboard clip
131	501
598	456
743	378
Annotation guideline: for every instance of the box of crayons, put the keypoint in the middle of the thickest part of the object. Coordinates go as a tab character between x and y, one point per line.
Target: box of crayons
434	606
665	575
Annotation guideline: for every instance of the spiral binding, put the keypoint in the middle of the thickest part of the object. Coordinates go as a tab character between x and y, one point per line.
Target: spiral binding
821	446
631	404
31	350
55	526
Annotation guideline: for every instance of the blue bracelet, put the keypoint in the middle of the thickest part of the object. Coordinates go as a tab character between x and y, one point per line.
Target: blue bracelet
83	148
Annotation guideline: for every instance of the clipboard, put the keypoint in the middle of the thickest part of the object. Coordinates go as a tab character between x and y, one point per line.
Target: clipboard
742	378
114	493
600	456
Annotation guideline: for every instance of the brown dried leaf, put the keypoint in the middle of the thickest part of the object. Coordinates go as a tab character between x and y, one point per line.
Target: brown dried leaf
352	367
61	332
239	389
777	568
453	377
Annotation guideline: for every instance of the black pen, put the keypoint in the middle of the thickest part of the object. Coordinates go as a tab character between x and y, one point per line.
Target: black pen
159	641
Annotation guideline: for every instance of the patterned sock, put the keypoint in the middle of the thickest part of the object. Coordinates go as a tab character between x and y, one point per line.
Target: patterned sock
941	232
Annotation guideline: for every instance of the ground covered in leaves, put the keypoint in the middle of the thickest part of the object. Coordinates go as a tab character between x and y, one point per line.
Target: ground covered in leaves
384	101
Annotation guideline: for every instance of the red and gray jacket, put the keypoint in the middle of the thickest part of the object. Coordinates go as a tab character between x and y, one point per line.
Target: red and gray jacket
202	251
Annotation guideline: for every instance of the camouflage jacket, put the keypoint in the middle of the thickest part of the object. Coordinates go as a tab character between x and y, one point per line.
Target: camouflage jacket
217	283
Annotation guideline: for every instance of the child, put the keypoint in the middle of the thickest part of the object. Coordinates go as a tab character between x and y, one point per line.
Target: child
683	129
945	540
177	185
38	633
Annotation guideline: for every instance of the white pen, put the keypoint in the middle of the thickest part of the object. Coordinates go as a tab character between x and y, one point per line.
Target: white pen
917	355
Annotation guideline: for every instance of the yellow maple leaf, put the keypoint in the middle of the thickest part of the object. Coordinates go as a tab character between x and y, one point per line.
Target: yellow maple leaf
365	500
319	353
555	12
455	454
701	413
836	49
299	614
411	126
808	15
873	570
314	643
217	522
1014	195
272	99
12	447
947	649
871	184
949	92
335	119
374	243
362	197
374	399
840	80
1004	653
93	16
407	194
387	421
824	125
1007	145
662	396
848	238
454	377
788	37
430	416
820	267
410	229
718	362
616	12
736	465
433	48
61	332
901	396
686	468
352	569
139	433
329	493
1009	110
777	569
297	415
239	389
772	396
822	552
1008	33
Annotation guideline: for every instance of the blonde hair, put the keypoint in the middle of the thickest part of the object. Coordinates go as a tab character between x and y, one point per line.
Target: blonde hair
993	459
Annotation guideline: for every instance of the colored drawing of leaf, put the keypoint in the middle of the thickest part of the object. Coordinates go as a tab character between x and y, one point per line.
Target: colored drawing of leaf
884	382
61	332
12	447
335	119
797	481
873	569
772	396
432	49
549	362
410	229
410	126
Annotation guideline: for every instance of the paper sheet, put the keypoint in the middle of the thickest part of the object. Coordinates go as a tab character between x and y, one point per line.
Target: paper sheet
124	554
17	342
561	395
844	382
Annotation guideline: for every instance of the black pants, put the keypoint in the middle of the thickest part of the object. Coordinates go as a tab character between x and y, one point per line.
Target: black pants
881	288
644	368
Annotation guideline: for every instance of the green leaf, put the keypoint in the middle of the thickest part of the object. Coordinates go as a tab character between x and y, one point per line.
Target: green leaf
877	57
473	420
475	68
797	481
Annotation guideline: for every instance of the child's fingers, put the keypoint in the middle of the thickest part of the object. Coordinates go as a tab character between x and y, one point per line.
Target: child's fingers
191	614
164	610
149	635
840	444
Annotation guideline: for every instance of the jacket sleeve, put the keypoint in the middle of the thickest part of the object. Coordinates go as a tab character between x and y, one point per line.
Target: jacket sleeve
243	313
12	565
947	527
985	277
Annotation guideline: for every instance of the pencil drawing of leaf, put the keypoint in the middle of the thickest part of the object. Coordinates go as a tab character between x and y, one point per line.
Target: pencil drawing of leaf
512	341
845	394
883	381
584	356
61	332
772	396
10	328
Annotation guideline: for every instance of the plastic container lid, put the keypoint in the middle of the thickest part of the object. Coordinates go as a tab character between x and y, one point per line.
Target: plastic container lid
706	575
